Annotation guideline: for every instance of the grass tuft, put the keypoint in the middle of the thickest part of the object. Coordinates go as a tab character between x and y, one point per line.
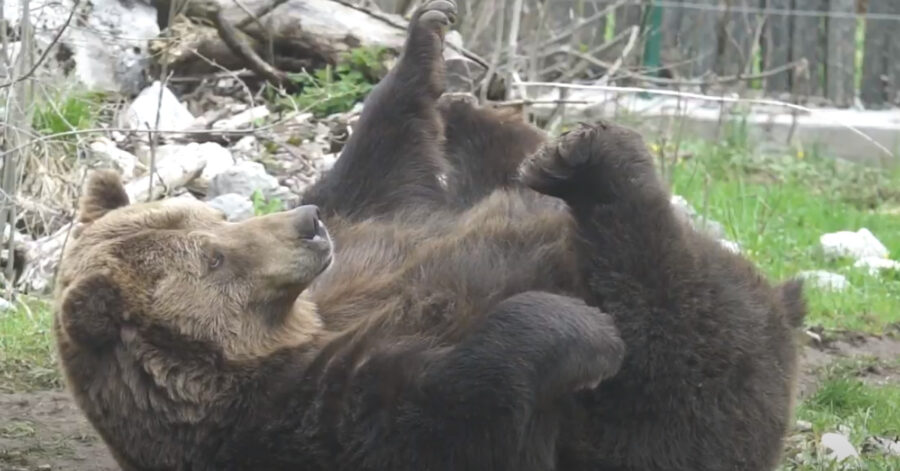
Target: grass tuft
27	352
777	207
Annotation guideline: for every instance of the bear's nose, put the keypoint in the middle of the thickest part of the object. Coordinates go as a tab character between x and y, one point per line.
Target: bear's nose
307	221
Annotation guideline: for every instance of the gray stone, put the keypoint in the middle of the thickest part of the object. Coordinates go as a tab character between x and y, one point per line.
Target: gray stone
244	179
882	445
236	207
463	74
284	194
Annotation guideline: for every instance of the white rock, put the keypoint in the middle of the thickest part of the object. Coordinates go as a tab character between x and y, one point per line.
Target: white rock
684	209
218	159
246	147
243	179
856	245
327	161
141	113
825	280
104	151
236	207
730	245
105	48
6	305
803	426
170	174
682	204
874	265
243	119
838	447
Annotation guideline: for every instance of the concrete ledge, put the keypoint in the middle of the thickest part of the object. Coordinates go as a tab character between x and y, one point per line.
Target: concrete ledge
824	129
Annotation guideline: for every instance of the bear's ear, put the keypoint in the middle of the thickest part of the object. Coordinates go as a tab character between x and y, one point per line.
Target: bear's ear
91	311
103	193
791	297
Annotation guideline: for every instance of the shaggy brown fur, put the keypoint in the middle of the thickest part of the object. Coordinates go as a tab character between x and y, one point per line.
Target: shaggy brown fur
466	326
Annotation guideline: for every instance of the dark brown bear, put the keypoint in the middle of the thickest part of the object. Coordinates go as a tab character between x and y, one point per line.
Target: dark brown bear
473	324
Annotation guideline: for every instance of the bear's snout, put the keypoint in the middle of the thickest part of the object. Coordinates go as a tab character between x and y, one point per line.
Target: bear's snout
307	222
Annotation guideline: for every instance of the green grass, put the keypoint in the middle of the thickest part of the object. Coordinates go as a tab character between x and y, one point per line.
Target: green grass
68	112
263	206
27	356
335	89
847	404
777	207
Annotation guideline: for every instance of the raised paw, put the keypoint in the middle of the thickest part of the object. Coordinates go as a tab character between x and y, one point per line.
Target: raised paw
603	160
422	64
436	15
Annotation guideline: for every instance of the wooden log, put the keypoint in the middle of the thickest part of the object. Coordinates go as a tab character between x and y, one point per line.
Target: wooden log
841	57
305	33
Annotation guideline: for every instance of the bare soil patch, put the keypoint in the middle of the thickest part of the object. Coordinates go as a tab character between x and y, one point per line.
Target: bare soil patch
46	431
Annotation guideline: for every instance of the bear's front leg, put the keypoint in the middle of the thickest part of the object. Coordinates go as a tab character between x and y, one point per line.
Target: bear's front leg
394	157
492	402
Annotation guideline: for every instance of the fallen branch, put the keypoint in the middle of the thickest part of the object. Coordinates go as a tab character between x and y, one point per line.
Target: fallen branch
304	34
229	35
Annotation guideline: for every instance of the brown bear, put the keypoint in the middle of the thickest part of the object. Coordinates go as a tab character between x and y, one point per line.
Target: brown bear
469	323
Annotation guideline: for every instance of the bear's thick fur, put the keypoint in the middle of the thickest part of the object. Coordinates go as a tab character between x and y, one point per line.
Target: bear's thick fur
470	324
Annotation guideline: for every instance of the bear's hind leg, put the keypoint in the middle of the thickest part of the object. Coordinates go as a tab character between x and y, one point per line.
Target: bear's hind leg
394	157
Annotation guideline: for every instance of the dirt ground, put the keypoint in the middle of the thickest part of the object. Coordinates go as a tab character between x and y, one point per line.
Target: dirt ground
46	431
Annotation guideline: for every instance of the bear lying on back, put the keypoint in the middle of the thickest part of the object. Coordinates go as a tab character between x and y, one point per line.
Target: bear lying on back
474	325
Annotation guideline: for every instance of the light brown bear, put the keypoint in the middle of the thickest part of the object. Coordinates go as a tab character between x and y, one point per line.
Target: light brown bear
477	324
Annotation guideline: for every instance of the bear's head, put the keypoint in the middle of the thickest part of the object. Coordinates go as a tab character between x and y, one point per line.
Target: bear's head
178	265
162	308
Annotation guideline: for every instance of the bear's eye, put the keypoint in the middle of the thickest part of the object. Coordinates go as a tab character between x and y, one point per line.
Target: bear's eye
215	259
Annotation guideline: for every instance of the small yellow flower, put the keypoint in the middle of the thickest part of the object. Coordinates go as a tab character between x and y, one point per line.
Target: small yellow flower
800	154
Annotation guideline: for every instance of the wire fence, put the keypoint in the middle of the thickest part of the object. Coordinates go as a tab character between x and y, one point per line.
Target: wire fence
831	52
